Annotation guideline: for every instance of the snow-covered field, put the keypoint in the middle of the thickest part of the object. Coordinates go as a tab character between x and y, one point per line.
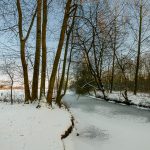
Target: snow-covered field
24	127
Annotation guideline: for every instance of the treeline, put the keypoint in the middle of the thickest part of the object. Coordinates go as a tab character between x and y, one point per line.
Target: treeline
113	40
119	81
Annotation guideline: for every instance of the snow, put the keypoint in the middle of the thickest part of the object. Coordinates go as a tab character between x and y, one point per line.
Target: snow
101	125
139	99
107	126
18	95
24	127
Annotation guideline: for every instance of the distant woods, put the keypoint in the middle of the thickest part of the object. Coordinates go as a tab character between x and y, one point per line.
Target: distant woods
101	45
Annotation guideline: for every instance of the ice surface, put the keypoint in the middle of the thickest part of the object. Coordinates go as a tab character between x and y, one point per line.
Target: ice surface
107	126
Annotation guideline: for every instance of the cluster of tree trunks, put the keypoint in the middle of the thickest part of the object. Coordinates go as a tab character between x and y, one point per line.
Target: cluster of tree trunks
41	31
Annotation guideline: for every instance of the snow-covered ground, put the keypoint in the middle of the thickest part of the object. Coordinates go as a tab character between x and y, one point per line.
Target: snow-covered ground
18	95
142	99
24	127
101	125
107	126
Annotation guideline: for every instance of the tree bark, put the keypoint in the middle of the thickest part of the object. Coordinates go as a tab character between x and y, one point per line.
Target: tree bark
22	49
37	53
11	88
139	51
114	51
59	97
44	50
68	71
25	72
58	53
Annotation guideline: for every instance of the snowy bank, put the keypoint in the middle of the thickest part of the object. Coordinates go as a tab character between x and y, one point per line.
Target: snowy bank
140	100
23	127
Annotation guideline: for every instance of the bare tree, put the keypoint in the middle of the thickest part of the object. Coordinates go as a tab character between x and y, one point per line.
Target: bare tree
58	53
23	41
37	53
139	48
59	95
9	68
44	50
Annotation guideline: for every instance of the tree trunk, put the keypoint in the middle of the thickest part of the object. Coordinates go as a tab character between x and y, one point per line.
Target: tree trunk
59	97
112	74
22	49
11	92
25	72
114	51
139	52
44	51
58	53
113	66
68	71
37	53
